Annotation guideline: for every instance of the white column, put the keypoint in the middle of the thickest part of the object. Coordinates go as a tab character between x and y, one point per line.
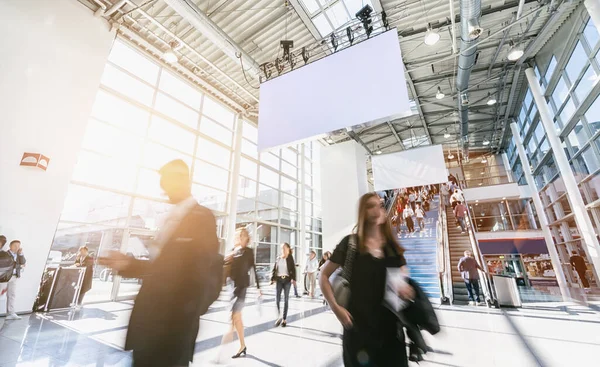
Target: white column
507	167
302	198
343	182
537	202
591	246
53	54
234	183
593	8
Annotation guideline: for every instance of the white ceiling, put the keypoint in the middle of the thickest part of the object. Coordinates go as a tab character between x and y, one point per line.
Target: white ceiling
257	26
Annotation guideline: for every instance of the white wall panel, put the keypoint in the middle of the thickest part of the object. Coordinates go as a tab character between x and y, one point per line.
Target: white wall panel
51	61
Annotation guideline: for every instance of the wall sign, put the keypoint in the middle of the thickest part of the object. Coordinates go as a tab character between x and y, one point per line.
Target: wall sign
35	160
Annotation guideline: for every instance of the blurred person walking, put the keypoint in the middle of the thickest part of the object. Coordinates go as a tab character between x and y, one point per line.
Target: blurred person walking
85	261
311	268
14	253
578	263
242	261
180	281
408	213
284	275
468	266
420	214
371	330
460	212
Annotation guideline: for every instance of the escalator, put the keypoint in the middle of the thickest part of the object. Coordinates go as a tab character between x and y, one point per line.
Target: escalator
458	244
421	251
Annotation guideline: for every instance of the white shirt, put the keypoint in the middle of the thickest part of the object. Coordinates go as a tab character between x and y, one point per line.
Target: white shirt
176	215
312	265
419	213
282	267
408	213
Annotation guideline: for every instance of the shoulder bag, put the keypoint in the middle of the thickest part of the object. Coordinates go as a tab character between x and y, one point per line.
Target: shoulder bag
341	283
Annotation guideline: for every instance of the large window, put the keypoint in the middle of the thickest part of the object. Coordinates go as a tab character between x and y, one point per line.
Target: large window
144	116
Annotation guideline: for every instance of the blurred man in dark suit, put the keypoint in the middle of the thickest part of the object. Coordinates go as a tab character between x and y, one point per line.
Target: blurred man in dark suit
178	280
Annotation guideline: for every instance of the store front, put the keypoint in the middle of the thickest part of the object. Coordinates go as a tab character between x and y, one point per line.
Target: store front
527	261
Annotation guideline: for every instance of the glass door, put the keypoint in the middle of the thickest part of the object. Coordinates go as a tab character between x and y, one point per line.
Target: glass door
135	244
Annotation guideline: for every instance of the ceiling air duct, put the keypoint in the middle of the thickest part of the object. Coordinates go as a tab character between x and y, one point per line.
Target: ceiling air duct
470	14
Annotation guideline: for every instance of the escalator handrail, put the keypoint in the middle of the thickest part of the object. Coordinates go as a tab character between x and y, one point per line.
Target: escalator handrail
444	260
486	285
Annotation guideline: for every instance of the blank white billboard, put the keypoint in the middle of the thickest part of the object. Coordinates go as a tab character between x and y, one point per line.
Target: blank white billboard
414	167
356	85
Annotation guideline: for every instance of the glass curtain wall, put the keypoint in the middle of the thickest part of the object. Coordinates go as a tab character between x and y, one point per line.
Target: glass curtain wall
570	83
144	116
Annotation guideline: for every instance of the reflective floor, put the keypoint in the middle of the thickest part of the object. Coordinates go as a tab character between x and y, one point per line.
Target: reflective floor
548	334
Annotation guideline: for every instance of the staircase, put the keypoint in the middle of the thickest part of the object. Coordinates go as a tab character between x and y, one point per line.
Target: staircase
421	252
458	243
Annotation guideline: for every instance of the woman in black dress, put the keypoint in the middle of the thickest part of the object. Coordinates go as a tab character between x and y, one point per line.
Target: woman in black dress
242	260
372	333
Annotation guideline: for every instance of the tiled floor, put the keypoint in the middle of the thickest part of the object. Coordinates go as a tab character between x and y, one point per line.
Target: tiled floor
546	334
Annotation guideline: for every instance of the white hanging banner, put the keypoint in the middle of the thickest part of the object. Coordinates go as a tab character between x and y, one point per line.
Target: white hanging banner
413	167
356	85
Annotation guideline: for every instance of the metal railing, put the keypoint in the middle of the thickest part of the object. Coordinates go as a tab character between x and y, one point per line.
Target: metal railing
503	222
484	176
487	286
443	256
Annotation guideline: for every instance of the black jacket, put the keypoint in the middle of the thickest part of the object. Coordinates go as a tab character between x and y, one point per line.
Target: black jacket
419	315
88	263
19	263
165	317
241	264
290	265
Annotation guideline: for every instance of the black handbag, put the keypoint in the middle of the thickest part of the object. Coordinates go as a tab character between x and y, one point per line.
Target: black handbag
341	283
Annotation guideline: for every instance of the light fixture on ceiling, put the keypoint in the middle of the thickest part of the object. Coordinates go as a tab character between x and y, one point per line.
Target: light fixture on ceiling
484	160
483	172
474	29
378	151
329	140
491	100
431	36
450	156
486	142
439	94
447	135
170	55
515	52
504	198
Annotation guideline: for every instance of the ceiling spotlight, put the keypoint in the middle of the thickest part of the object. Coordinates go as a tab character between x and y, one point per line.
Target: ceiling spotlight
329	140
378	151
474	29
486	142
484	160
450	156
504	198
439	94
431	36
446	135
515	52
476	201
491	100
170	55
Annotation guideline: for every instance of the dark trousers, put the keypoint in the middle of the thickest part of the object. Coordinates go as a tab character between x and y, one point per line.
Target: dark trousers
410	224
583	278
473	289
283	284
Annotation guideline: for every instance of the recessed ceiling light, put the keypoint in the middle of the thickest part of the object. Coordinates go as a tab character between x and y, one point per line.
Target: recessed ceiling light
439	94
431	37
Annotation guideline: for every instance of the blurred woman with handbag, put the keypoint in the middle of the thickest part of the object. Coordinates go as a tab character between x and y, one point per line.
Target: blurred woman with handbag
241	260
367	257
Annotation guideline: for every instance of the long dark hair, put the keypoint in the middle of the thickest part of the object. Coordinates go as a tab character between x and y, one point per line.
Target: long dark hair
386	227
